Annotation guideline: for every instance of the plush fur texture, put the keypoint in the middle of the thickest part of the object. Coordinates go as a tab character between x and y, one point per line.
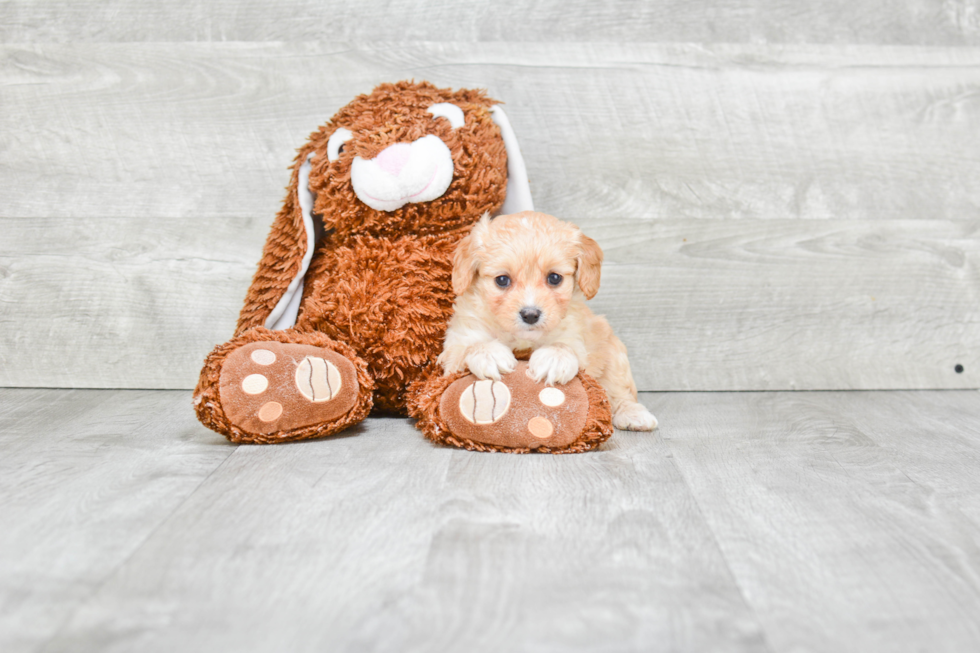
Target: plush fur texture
392	297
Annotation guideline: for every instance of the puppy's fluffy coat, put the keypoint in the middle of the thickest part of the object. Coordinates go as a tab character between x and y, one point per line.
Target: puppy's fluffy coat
521	283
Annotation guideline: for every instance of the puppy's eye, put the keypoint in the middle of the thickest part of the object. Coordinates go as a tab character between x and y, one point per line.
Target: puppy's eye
503	281
554	279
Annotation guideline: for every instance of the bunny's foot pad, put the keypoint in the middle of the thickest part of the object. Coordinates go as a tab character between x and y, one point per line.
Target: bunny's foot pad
274	387
516	414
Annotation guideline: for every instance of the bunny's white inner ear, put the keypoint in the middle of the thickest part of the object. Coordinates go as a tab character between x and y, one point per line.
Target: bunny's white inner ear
283	316
518	189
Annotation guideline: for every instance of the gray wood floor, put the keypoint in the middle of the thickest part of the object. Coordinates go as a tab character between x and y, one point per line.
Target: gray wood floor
830	521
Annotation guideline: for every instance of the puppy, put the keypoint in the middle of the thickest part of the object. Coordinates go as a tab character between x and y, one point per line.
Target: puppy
521	283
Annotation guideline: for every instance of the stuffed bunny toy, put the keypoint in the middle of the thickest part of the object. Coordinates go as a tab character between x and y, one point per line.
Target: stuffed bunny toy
348	308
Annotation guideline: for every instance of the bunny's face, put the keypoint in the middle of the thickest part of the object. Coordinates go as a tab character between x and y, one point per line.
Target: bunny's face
408	158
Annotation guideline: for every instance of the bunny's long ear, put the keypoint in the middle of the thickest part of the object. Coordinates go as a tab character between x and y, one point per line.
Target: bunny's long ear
518	189
274	296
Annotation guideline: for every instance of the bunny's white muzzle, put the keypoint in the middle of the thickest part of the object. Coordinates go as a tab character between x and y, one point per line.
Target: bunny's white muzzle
403	173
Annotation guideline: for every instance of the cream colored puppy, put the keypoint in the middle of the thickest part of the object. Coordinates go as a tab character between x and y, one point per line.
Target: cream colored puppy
521	283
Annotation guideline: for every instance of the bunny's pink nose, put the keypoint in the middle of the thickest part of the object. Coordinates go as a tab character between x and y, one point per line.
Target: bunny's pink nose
394	157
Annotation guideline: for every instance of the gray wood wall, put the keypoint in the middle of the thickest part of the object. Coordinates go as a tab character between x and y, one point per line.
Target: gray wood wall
788	195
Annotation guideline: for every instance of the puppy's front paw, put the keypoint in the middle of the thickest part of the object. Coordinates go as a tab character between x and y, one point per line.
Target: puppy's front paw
489	360
634	417
553	365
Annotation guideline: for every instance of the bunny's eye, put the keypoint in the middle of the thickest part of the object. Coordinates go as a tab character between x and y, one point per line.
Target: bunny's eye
450	112
335	146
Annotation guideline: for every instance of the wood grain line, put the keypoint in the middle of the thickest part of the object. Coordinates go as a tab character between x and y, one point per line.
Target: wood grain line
750	21
659	131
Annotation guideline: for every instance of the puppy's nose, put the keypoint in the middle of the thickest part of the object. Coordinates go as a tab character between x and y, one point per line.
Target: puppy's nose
530	315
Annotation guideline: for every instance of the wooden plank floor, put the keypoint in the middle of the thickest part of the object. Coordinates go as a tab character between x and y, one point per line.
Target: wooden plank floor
829	521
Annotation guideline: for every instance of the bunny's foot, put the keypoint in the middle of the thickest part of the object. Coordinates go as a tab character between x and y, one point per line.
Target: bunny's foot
269	390
515	414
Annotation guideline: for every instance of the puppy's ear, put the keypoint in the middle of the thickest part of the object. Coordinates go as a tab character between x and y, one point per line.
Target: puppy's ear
589	266
465	260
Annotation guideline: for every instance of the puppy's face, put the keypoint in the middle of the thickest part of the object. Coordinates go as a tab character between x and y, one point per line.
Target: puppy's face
525	269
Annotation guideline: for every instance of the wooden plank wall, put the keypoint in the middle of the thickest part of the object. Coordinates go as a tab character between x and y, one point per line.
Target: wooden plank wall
787	195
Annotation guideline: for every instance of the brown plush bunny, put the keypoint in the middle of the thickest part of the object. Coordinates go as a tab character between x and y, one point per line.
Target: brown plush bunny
349	305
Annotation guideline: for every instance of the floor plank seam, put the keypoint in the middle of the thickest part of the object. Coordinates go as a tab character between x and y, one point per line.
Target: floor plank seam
124	561
721	551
